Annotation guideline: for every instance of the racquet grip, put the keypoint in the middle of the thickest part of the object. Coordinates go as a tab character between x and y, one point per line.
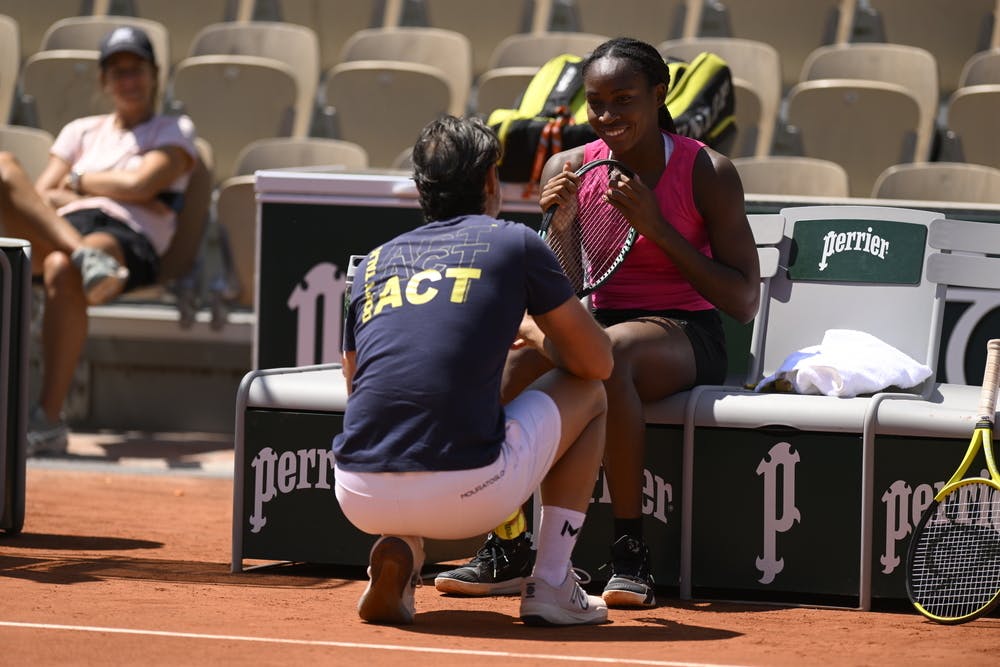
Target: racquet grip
988	396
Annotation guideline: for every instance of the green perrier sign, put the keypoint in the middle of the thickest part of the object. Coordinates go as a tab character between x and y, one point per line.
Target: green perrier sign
861	251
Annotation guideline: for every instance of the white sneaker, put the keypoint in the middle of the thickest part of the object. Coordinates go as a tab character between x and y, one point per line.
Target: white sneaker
103	276
394	572
567	604
44	436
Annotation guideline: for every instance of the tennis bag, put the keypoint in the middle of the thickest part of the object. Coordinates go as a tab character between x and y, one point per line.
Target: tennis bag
552	113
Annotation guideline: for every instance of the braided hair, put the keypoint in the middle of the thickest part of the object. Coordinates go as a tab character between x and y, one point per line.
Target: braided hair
451	159
643	59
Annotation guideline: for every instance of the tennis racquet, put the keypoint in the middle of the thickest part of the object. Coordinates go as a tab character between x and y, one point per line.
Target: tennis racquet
589	236
953	565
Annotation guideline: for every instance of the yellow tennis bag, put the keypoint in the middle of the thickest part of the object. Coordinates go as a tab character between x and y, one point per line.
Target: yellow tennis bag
552	113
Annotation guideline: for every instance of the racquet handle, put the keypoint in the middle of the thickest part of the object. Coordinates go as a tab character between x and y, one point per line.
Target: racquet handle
988	396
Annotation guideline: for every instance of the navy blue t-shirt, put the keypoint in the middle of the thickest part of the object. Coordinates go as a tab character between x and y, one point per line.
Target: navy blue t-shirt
432	316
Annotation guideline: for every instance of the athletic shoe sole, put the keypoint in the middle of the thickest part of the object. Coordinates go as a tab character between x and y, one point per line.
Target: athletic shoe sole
391	574
621	598
478	589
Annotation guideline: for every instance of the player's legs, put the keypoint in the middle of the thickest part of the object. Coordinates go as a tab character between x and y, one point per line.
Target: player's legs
23	214
653	359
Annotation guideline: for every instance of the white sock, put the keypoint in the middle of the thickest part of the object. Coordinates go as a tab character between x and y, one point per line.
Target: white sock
554	542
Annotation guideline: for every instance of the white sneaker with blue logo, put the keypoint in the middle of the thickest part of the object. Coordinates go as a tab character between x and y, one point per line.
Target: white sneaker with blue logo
567	604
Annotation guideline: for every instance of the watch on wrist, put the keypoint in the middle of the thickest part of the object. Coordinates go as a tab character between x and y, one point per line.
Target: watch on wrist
74	180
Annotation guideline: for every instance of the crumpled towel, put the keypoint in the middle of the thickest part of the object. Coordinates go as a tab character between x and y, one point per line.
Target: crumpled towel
847	363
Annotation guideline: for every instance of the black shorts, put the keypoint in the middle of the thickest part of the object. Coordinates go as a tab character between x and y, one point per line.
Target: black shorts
140	258
702	327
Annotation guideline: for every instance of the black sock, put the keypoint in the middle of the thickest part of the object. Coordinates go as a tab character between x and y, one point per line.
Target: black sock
631	527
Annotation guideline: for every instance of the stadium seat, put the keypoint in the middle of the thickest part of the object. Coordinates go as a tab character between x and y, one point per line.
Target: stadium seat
791	175
183	20
295	45
86	32
368	96
516	60
982	68
486	24
61	85
234	100
448	51
334	22
756	69
940	181
952	31
10	64
794	27
34	18
29	145
280	152
192	220
912	67
501	88
236	205
536	49
972	114
652	22
865	126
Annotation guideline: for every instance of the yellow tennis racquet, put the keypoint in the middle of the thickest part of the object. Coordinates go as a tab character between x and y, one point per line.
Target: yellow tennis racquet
953	565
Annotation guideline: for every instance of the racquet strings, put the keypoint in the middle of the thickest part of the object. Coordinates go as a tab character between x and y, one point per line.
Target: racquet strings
955	564
588	235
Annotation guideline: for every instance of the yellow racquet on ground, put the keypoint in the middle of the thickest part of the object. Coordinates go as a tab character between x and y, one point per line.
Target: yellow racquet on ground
953	565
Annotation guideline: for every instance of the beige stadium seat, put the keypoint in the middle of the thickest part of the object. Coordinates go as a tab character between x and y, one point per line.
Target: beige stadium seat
335	20
865	126
34	18
794	27
972	114
912	67
236	204
516	60
10	64
368	95
940	181
446	50
791	175
536	49
62	85
952	31
29	145
981	69
183	19
86	32
501	88
280	152
756	69
295	45
486	24
652	22
224	97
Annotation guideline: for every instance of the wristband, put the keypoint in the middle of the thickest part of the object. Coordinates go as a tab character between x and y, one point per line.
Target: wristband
74	180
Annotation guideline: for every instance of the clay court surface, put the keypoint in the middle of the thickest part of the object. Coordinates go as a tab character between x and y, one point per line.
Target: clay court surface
121	567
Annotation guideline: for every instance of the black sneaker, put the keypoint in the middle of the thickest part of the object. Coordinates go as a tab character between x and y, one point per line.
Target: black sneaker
498	569
631	584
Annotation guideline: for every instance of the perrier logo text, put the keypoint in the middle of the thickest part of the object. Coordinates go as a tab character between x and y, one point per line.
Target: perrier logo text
837	242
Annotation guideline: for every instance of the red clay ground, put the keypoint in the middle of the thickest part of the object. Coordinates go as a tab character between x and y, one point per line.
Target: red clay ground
134	569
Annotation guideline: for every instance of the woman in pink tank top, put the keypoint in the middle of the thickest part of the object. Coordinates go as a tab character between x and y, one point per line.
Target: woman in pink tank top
695	256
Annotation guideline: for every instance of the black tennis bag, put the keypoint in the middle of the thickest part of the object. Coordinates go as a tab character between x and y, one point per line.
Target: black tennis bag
552	113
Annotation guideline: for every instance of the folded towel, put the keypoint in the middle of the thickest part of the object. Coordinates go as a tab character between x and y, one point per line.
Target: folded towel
847	363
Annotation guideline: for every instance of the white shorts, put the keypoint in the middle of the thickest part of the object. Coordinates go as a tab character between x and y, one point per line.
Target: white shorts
457	504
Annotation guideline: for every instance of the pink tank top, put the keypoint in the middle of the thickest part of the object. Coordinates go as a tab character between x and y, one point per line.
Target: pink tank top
648	279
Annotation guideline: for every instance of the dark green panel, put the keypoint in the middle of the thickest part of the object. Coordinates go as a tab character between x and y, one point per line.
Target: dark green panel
865	251
776	512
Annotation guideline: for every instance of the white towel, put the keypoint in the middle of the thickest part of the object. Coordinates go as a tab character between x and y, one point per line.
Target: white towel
848	363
